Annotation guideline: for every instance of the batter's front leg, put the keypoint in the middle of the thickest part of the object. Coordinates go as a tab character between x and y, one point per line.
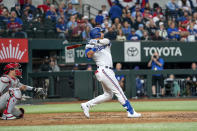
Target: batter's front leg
107	95
99	99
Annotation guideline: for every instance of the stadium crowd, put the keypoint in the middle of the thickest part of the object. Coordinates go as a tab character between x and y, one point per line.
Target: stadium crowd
139	22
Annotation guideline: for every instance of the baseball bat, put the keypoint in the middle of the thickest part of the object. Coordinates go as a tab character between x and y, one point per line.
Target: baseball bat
74	46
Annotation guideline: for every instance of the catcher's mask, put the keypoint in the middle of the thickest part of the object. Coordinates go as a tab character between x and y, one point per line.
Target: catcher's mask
13	66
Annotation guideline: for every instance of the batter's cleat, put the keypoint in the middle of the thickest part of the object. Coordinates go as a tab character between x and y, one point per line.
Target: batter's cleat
8	116
134	115
85	109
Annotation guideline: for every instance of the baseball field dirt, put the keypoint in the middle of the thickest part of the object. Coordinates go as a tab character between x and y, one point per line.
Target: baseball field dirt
100	118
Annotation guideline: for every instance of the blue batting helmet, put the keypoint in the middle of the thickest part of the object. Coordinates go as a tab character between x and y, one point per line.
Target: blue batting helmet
95	33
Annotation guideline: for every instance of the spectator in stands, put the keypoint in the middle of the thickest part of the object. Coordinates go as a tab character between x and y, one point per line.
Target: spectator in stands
14	26
77	32
136	13
77	4
72	23
124	13
172	6
70	10
51	14
139	86
76	67
54	67
140	30
172	86
1	8
145	5
157	63
115	11
61	8
104	11
106	25
183	30
147	15
120	78
5	15
61	28
86	34
145	36
133	36
93	22
86	21
194	5
156	37
117	23
111	34
99	18
192	32
89	68
191	82
194	18
22	3
152	28
121	36
126	29
45	65
18	10
44	7
158	12
128	18
162	31
30	7
173	32
38	27
184	5
2	29
138	21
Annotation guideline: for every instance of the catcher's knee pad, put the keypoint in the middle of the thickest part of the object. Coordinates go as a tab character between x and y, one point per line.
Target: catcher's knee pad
22	112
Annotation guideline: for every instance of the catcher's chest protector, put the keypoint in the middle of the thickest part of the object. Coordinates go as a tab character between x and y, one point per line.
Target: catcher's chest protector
7	82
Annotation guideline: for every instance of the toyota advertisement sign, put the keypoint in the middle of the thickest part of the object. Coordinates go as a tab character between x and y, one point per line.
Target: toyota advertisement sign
132	51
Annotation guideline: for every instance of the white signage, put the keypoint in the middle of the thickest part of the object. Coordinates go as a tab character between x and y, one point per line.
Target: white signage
163	51
132	51
69	55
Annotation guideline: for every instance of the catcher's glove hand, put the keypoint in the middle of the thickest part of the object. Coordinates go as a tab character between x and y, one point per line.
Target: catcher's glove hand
39	91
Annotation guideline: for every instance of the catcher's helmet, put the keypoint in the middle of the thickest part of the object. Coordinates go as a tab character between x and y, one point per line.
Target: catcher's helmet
95	33
13	66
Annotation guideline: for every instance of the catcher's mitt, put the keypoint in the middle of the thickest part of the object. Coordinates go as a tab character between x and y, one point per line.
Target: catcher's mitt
39	92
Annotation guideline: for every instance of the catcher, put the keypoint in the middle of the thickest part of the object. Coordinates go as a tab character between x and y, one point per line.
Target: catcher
10	92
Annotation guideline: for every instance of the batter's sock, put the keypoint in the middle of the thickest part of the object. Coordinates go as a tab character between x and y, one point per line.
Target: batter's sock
128	106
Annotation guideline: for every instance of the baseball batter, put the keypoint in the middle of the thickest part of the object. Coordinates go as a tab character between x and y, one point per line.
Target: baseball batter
98	49
10	92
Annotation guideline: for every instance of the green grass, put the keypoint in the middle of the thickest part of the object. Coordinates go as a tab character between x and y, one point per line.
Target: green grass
114	107
190	126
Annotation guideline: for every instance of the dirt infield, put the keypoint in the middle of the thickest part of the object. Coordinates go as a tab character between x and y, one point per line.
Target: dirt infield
100	118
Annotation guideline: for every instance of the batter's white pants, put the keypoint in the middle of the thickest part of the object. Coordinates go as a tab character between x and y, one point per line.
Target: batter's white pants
110	87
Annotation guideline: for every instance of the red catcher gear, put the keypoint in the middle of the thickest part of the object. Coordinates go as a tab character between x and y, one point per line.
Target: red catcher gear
13	66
